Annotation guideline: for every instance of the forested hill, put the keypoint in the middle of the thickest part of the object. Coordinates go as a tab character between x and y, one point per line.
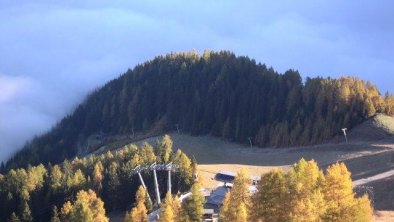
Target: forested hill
215	93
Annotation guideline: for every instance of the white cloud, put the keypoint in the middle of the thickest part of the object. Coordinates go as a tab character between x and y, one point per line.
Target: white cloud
55	52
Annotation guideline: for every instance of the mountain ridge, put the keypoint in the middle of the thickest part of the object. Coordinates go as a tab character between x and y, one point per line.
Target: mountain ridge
216	93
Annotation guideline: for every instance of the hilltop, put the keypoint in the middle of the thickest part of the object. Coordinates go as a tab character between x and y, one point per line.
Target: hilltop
216	94
378	127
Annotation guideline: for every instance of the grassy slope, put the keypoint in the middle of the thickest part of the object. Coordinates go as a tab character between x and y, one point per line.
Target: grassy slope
370	151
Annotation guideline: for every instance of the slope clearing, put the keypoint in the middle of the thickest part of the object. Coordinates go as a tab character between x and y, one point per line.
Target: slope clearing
370	152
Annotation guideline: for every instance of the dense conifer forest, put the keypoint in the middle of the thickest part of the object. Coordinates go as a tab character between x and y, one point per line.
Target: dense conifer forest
216	93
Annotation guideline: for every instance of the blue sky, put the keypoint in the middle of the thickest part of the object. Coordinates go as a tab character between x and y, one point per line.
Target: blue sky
54	52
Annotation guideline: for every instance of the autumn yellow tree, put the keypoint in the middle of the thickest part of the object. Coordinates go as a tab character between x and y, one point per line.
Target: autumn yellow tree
239	195
139	212
242	214
339	197
192	207
362	209
86	208
97	176
269	203
224	209
305	198
177	208
147	154
164	149
166	209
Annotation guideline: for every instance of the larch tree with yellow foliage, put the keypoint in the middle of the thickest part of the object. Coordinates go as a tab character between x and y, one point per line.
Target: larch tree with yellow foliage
224	209
164	149
192	207
339	197
86	208
166	209
269	204
239	195
305	199
139	212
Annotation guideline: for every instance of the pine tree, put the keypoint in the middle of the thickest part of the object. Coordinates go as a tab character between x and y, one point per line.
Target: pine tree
193	207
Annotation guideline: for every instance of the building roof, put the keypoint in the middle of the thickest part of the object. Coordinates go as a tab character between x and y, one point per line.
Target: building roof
228	176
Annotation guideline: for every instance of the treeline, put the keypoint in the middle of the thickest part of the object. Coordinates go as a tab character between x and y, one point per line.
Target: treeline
30	194
216	93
